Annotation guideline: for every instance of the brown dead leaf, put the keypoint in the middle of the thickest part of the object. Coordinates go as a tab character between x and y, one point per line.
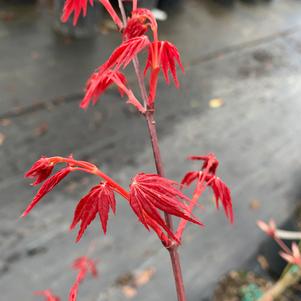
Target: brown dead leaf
107	26
35	55
5	122
41	130
145	276
129	282
216	103
129	291
263	262
2	138
255	204
125	279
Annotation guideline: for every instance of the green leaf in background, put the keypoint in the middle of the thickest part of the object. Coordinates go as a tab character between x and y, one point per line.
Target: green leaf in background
251	293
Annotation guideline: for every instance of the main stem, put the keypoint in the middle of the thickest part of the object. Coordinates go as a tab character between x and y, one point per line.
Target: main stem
173	249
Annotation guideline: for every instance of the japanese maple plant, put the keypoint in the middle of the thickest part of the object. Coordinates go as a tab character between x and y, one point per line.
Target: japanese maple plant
154	199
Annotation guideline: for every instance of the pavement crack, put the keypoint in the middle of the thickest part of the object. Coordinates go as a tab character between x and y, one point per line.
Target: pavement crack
23	110
238	47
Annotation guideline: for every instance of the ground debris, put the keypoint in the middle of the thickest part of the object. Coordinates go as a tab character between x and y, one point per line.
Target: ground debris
216	103
255	204
41	130
2	138
130	282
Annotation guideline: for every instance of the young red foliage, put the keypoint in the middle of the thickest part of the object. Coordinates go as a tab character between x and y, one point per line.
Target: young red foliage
76	7
109	73
124	54
222	193
150	193
100	81
168	56
48	185
146	16
84	265
207	177
141	19
40	170
162	55
294	256
210	163
136	27
269	229
99	200
190	177
49	296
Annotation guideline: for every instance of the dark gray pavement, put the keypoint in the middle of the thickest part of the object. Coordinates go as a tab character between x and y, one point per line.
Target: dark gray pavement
247	55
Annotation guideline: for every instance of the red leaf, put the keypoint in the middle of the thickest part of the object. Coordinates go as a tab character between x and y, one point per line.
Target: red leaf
46	187
222	193
150	193
136	27
189	178
40	170
141	19
207	176
98	83
77	7
124	54
49	296
168	56
84	265
210	164
99	200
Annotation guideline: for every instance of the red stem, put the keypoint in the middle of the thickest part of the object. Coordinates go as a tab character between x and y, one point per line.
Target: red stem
173	249
282	245
92	169
196	195
149	115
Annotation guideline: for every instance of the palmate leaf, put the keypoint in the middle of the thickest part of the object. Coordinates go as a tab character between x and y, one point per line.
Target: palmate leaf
150	194
109	72
98	201
207	177
76	7
124	54
169	56
99	82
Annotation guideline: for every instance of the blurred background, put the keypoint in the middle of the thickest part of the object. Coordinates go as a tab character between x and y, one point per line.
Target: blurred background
239	98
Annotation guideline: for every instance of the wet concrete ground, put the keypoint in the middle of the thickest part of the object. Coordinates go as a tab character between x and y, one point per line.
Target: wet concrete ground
246	55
